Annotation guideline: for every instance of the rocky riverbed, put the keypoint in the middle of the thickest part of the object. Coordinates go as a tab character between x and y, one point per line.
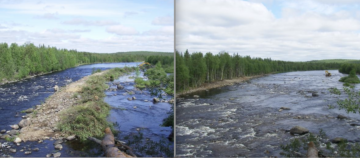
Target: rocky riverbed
256	117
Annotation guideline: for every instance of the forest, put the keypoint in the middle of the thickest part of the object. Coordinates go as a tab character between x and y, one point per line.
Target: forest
193	70
20	61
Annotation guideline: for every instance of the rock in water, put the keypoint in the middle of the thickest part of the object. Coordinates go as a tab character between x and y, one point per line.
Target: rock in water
30	110
120	86
17	140
24	123
338	140
315	94
57	154
285	108
341	117
156	100
196	96
3	131
298	130
13	150
56	88
133	98
72	137
129	99
27	152
14	126
58	146
312	151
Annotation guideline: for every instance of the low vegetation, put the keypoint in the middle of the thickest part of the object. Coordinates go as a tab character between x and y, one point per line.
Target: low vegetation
351	79
88	118
298	147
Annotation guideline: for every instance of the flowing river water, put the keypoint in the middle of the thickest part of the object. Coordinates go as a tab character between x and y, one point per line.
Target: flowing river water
244	119
146	118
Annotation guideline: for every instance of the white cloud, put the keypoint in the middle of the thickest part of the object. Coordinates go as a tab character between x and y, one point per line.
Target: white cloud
78	21
164	20
122	30
310	31
50	16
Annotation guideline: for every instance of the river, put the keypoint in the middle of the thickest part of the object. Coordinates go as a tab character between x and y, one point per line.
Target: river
21	95
244	119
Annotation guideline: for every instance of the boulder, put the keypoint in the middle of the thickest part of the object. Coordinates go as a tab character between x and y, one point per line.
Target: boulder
285	108
119	86
30	110
341	117
72	137
36	149
196	96
56	88
298	130
17	140
57	154
27	152
133	98
156	99
338	140
14	126
24	123
58	142
315	94
3	131
129	99
5	136
13	132
12	150
58	146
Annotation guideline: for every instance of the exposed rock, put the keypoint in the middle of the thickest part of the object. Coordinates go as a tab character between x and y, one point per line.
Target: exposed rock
129	99
338	140
285	108
196	96
171	101
27	152
354	124
341	117
315	94
58	142
280	110
56	88
72	137
48	155
58	146
5	136
12	150
119	86
14	126
145	100
36	149
133	98
30	110
156	99
17	140
3	131
24	123
135	107
56	154
13	132
298	130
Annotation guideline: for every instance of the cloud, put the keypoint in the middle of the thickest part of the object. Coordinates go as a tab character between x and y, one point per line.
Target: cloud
128	14
122	30
49	16
78	21
68	31
311	31
164	20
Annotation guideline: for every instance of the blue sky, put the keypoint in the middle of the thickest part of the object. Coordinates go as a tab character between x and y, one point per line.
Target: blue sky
295	30
95	26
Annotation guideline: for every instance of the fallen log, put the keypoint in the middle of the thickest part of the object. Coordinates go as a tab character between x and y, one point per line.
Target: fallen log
110	148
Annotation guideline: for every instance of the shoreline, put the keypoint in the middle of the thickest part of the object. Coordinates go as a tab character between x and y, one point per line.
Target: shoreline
218	84
41	121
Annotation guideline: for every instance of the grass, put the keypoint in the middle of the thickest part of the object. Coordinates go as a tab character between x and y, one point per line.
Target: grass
352	78
88	117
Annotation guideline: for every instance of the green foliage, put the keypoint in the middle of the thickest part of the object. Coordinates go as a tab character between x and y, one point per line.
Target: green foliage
352	78
193	70
10	139
140	83
298	147
95	70
350	104
89	118
17	62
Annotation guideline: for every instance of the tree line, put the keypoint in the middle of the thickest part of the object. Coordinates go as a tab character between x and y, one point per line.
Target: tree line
193	70
20	61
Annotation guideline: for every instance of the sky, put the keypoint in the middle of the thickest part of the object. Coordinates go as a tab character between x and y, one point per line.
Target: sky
290	30
105	26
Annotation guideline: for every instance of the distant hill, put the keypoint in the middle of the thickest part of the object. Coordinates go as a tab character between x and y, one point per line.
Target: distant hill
147	53
337	61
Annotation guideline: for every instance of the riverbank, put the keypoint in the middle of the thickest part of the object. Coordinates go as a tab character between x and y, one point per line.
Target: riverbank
218	84
45	120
